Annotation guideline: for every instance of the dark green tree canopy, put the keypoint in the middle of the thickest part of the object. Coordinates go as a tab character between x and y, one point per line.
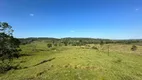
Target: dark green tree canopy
8	44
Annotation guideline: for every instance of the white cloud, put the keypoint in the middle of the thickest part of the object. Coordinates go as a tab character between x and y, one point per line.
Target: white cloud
137	9
72	31
31	14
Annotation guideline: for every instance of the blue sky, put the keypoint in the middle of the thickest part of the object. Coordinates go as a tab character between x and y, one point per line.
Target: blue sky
112	19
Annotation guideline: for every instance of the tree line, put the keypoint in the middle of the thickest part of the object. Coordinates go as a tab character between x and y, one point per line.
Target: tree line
79	41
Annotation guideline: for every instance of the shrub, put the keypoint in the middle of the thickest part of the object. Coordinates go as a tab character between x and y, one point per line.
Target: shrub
94	48
77	44
49	45
74	44
134	48
53	48
65	43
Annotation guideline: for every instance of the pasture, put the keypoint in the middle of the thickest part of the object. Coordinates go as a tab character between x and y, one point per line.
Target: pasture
76	63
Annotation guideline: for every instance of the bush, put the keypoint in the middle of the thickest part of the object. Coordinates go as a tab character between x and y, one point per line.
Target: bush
66	44
4	67
77	44
49	45
134	48
73	44
94	48
53	48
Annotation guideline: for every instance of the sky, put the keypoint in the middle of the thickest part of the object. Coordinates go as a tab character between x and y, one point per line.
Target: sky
110	19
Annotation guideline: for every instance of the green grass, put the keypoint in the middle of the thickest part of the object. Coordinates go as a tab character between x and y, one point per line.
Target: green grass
74	63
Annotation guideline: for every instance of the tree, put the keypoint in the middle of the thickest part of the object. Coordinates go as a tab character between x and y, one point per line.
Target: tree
49	45
134	48
65	43
81	42
101	43
9	46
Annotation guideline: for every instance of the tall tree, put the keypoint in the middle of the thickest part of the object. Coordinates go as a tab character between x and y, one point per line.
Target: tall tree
9	46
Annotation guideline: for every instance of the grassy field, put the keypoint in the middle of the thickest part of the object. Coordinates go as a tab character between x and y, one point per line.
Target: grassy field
75	63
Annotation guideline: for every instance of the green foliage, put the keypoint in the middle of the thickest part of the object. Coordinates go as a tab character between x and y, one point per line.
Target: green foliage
26	41
6	28
49	45
101	43
134	48
9	46
79	41
53	48
78	44
74	44
65	43
93	47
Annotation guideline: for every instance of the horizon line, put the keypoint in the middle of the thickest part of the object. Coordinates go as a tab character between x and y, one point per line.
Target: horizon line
80	37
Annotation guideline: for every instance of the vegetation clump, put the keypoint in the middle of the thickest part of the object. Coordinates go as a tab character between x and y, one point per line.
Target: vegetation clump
9	47
49	45
93	47
134	48
101	43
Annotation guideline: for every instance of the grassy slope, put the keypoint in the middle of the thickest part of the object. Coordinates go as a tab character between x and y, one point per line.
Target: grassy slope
74	63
